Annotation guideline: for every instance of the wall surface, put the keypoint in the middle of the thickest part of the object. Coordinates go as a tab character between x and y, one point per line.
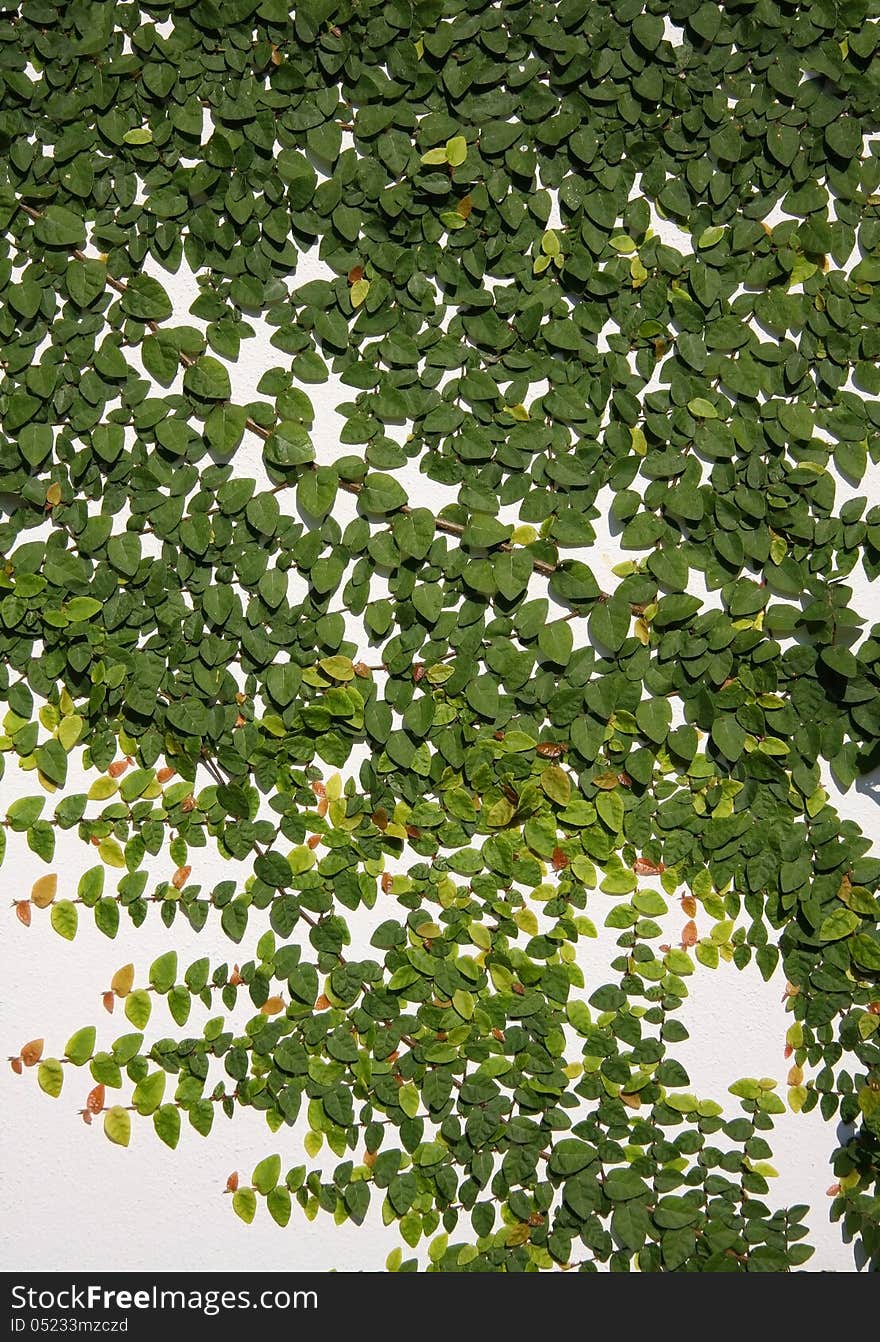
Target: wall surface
74	1202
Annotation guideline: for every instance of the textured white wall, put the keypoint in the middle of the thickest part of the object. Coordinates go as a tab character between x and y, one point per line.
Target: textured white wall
74	1202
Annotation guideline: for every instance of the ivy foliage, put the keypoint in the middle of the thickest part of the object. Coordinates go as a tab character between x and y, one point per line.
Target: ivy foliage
534	754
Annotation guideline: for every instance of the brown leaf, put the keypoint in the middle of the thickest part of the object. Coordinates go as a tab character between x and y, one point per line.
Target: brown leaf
690	936
624	779
550	750
633	1101
86	1117
688	906
273	1006
314	840
518	989
235	978
319	789
123	981
323	806
117	768
16	1065
164	775
369	1159
560	860
464	207
323	1002
787	1052
643	866
356	273
95	1099
361	669
180	877
188	804
239	721
109	1001
418	672
833	1191
32	1052
387	880
498	1034
380	818
413	831
795	1075
607	780
53	495
232	1182
44	891
23	911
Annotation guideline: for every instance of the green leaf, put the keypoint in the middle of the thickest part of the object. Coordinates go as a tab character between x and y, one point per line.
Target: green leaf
50	1077
145	299
381	494
841	661
280	1205
138	1008
556	783
117	1125
610	622
728	736
244	1204
844	137
482	695
208	379
124	553
839	923
866	951
622	1185
60	227
148	1093
163	972
709	237
80	1046
700	408
654	718
166	1121
266	1174
611	810
64	918
556	641
289	446
85	281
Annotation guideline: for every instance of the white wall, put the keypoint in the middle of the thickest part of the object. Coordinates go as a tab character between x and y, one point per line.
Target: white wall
75	1202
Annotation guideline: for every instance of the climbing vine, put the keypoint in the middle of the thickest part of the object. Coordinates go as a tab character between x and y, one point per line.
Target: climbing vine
580	266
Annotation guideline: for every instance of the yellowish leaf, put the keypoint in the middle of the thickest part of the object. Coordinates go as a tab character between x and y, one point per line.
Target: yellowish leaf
44	891
123	981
